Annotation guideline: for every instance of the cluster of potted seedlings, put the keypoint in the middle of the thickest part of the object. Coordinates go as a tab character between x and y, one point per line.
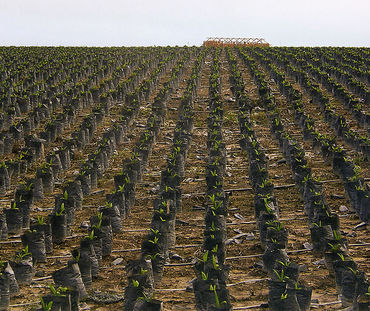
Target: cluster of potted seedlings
109	217
211	271
31	74
57	162
85	263
125	182
350	60
306	61
354	184
47	91
286	291
352	285
58	100
145	273
336	70
25	81
360	142
348	100
59	121
338	122
325	63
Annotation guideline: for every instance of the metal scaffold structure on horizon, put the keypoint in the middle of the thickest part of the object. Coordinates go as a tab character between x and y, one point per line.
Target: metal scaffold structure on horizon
215	41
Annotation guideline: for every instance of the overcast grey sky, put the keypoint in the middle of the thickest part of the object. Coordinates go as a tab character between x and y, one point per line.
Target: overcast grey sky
165	22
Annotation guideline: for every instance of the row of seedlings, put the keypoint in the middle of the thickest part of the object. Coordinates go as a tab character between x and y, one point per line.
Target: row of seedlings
88	257
56	162
211	272
286	291
55	231
133	167
145	273
324	224
343	166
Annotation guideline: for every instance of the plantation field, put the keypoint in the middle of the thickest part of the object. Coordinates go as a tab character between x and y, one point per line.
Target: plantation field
184	178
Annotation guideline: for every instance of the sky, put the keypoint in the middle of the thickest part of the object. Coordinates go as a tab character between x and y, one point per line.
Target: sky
189	22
